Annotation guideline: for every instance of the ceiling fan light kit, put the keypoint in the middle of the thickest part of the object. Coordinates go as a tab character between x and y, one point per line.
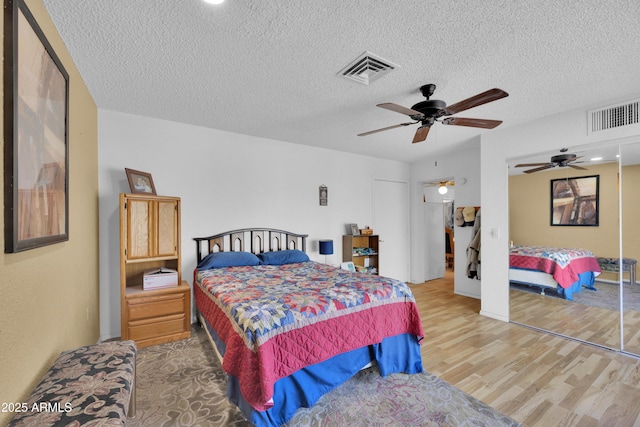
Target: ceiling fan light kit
443	186
431	111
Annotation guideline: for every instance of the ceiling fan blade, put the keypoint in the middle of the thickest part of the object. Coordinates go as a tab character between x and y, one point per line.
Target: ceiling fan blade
541	168
526	165
400	109
476	123
387	128
577	167
439	183
421	134
482	98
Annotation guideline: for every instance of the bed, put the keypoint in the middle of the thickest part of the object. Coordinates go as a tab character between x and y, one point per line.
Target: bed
566	270
288	330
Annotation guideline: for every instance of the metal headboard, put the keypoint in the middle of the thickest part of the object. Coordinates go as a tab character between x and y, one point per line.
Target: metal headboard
254	240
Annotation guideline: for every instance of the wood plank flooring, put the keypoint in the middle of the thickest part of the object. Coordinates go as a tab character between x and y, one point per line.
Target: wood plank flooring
568	318
536	378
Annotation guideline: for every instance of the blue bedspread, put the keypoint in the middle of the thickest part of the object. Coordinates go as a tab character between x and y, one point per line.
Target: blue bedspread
303	388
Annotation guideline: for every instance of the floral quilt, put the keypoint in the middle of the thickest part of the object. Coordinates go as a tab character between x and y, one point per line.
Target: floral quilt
275	320
564	264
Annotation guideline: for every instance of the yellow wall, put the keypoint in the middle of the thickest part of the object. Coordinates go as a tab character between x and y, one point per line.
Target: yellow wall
529	211
630	209
46	293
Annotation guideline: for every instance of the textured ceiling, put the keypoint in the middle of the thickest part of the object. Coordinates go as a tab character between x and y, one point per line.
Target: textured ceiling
270	68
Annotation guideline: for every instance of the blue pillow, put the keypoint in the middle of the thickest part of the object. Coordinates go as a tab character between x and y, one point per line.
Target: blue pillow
288	256
228	259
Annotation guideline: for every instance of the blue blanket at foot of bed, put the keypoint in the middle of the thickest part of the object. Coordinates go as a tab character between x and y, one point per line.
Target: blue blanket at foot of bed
586	279
303	388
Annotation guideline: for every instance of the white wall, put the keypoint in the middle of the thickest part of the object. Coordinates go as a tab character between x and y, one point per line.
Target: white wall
228	181
456	166
568	130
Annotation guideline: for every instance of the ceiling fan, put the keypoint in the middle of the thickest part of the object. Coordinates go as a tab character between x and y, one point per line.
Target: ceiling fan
560	160
442	185
433	110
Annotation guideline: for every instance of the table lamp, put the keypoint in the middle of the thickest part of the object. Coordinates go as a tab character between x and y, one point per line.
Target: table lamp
326	248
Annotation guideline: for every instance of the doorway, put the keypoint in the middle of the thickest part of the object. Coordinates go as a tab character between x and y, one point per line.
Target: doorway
439	237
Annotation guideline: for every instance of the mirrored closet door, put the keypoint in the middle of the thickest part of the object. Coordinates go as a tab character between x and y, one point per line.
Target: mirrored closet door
565	210
628	281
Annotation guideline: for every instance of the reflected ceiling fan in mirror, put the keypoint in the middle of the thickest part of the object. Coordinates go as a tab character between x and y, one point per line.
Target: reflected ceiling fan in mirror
433	110
560	160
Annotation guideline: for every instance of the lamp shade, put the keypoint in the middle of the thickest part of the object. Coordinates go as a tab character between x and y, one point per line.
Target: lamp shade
326	247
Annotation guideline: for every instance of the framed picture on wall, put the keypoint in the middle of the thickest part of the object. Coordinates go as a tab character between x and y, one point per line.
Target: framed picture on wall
575	201
36	148
324	195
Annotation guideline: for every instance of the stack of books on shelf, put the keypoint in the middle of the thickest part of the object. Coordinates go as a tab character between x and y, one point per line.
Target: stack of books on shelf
363	251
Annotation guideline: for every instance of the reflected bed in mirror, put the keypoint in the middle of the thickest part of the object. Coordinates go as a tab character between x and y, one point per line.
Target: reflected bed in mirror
565	270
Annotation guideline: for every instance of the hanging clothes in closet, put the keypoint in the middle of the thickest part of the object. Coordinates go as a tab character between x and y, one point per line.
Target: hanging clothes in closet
473	250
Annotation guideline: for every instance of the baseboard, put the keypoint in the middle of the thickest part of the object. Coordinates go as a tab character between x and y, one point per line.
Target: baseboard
466	294
108	338
494	316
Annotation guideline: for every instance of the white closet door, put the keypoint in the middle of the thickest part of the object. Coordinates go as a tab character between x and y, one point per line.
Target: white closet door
391	224
434	240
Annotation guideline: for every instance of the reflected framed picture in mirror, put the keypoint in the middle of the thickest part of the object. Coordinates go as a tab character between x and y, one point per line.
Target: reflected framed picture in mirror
575	201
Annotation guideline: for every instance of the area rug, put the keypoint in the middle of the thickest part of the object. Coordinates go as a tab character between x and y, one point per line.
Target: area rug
607	295
399	400
182	384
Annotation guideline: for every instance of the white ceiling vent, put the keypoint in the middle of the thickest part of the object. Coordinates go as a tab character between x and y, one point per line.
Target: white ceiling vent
366	68
614	116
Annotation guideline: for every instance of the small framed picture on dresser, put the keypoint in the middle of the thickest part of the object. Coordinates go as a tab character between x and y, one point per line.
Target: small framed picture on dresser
355	231
140	182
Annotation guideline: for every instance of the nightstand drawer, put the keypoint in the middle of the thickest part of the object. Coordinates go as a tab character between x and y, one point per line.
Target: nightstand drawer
146	329
154	307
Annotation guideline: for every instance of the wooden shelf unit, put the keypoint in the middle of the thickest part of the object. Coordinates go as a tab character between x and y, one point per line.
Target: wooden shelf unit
362	262
150	238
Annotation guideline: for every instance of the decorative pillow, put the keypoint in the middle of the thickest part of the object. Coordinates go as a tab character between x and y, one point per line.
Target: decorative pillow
288	256
228	259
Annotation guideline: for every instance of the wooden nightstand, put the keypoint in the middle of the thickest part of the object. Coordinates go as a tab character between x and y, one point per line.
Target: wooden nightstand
150	238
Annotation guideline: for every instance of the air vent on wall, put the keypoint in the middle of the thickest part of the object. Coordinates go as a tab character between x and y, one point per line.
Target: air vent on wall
366	68
614	116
